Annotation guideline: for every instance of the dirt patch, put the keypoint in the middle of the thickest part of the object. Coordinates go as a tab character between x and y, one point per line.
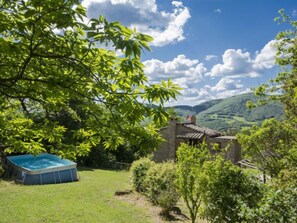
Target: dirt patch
154	211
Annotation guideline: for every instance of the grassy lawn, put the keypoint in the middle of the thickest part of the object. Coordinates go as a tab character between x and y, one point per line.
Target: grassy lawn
89	200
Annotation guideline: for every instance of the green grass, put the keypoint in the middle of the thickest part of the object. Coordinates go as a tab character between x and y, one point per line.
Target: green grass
89	200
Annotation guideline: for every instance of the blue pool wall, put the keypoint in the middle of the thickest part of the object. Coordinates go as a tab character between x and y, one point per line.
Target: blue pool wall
54	175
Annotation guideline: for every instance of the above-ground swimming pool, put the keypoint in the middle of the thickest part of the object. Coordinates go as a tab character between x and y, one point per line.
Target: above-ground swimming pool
42	169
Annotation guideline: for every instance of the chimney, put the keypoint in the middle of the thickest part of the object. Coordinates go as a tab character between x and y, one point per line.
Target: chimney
191	119
172	126
172	138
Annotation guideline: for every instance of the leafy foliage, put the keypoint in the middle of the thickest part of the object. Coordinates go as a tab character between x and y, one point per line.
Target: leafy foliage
284	86
50	63
189	181
228	194
215	188
270	146
160	185
138	173
279	205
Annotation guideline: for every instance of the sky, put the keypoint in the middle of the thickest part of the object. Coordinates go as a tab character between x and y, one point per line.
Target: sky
211	48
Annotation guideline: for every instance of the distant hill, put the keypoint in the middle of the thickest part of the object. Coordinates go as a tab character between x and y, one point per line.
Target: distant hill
184	110
231	114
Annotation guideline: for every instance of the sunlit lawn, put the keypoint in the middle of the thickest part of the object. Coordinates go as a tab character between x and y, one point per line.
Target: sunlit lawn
89	200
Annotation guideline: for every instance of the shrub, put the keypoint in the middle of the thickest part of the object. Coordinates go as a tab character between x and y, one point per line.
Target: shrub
138	172
229	195
160	185
279	205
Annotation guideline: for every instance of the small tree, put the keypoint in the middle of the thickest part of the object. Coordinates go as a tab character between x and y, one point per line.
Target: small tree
189	166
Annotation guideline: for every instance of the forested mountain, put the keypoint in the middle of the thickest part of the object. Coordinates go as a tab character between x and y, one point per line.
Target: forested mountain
231	114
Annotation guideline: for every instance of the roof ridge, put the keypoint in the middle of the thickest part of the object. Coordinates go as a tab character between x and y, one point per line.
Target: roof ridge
208	131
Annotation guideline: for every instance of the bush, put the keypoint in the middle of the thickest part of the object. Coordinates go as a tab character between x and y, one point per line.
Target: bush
160	185
229	195
279	205
138	172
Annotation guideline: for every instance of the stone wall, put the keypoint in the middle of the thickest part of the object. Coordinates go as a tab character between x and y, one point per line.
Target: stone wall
233	152
167	150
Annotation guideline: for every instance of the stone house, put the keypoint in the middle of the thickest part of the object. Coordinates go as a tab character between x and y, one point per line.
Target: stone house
188	132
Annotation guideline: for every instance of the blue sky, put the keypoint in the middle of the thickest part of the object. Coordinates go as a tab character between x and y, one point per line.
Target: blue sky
211	48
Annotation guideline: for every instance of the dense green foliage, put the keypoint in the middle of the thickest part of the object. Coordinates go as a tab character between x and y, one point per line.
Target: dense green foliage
156	182
278	205
138	173
228	194
189	181
50	63
270	146
160	185
215	188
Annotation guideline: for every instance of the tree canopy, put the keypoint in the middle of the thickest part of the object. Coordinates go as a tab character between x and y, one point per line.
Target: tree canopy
53	61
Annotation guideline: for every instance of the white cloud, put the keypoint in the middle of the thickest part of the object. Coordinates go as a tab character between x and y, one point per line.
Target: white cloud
226	87
223	79
237	63
165	27
227	84
177	4
218	11
188	73
183	71
265	59
196	96
230	93
193	96
210	57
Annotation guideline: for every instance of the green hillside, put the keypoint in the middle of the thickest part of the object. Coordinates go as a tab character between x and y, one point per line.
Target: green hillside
184	110
232	113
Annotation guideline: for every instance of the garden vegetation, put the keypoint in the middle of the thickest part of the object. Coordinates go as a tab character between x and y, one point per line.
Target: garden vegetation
218	191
